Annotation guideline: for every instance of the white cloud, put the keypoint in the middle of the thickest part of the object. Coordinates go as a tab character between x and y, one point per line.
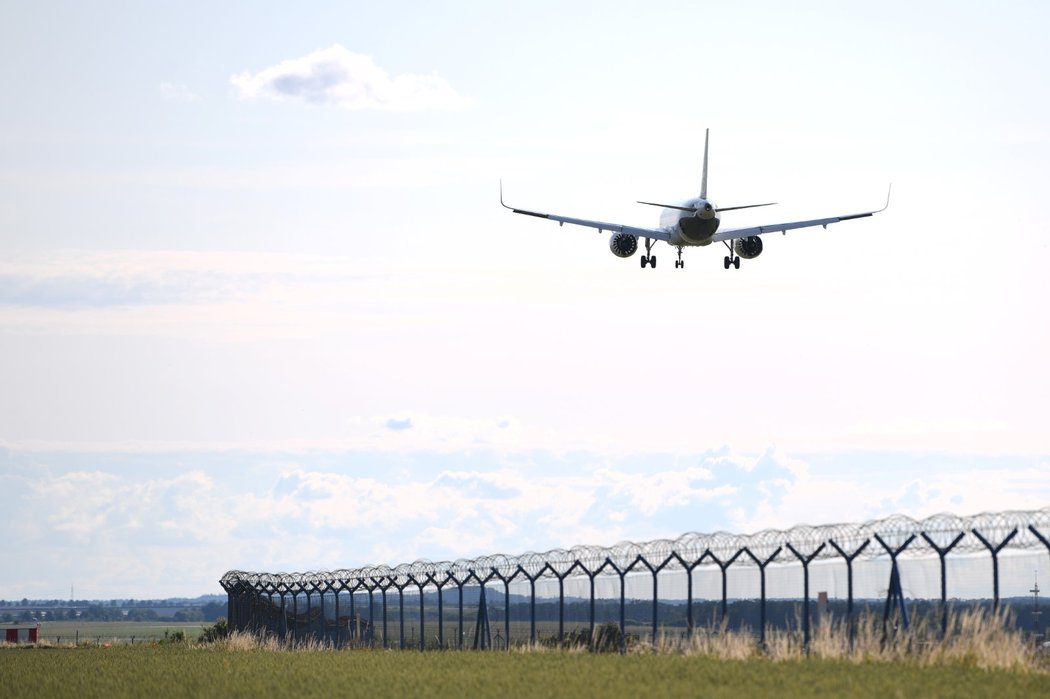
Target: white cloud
338	77
653	492
176	526
825	498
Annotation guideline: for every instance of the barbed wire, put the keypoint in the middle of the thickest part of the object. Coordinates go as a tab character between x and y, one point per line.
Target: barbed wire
1019	529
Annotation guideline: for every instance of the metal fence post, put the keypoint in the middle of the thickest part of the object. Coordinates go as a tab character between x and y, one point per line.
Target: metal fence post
656	573
941	553
441	612
805	588
723	566
371	633
762	589
506	601
895	590
422	615
851	623
561	595
994	550
382	592
590	635
459	586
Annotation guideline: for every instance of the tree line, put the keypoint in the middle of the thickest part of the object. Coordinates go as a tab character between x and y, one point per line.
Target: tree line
32	613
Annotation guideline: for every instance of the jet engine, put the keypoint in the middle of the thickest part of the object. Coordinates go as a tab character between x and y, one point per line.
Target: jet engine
624	244
748	248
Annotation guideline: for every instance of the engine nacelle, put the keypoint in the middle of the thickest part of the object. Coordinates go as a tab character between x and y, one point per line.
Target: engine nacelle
748	248
623	244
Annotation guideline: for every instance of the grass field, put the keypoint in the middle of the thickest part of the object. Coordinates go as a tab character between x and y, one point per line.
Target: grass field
115	631
170	670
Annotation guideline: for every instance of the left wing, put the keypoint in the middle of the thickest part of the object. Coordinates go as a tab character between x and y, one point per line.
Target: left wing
655	233
733	233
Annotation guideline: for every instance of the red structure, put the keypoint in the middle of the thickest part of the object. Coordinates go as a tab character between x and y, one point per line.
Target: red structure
20	634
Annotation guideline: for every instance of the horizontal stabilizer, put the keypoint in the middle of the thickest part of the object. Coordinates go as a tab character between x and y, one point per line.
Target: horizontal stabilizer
693	208
669	206
746	206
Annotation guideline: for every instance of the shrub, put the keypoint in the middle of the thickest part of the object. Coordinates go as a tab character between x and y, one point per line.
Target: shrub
216	632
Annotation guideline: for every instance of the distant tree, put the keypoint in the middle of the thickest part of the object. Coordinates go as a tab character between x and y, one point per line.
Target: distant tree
7	618
190	614
97	612
213	611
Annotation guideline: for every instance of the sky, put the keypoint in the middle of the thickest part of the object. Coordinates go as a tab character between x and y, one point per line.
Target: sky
260	308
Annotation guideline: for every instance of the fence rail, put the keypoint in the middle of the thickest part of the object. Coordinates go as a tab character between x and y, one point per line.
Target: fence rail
674	583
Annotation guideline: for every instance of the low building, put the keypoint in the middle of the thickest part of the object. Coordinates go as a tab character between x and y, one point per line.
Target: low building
19	633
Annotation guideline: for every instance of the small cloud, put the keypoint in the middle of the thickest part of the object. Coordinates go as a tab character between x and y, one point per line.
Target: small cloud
173	92
338	77
399	425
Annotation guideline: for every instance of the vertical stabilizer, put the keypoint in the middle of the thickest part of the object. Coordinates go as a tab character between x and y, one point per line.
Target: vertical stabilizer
703	179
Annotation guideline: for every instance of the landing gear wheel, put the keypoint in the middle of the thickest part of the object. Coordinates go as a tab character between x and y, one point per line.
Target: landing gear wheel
726	262
736	263
647	258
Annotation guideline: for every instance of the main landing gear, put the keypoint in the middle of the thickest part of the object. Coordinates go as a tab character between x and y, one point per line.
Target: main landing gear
732	259
648	259
679	263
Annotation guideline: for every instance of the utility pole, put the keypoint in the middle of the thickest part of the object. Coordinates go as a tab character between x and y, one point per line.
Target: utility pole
1037	635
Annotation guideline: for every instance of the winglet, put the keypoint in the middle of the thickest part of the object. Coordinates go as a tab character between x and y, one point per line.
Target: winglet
888	192
703	178
870	213
501	196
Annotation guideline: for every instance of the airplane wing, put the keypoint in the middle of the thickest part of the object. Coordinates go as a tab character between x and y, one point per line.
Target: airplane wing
654	233
734	233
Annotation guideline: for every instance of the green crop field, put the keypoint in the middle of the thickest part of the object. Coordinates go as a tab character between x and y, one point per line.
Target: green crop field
176	670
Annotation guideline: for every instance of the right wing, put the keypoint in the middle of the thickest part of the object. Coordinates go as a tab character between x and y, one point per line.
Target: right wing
733	233
655	233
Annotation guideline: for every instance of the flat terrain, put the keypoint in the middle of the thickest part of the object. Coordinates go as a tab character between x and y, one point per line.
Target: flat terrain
116	631
180	670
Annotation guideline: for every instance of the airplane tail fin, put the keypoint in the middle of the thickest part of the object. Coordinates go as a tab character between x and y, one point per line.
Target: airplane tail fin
703	178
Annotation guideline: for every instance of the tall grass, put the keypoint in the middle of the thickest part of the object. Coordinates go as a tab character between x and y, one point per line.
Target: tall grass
976	637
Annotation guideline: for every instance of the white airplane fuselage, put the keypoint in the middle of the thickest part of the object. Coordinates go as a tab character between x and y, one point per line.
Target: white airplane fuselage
694	226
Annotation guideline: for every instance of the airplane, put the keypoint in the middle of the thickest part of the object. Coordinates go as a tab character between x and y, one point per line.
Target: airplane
690	223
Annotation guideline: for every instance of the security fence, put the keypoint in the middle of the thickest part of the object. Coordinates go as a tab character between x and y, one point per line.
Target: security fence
897	567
